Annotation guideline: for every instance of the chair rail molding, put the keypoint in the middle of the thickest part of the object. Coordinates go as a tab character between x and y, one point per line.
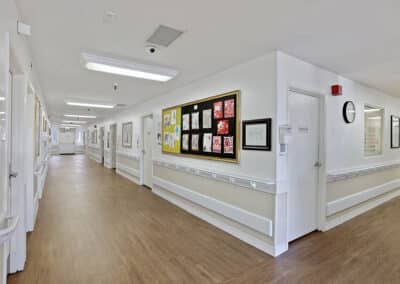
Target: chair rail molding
345	174
129	155
252	183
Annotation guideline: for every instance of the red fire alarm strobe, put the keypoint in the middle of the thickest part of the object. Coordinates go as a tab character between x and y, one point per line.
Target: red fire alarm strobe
337	90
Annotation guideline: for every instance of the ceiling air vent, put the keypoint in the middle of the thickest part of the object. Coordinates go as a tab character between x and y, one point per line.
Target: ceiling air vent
120	105
164	36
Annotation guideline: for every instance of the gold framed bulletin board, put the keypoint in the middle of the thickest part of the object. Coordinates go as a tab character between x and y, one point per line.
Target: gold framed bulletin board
171	130
210	128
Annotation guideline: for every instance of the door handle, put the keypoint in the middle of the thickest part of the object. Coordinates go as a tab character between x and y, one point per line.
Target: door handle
13	174
318	164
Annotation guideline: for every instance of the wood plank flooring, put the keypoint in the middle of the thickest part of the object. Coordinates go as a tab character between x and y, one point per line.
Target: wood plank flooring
97	227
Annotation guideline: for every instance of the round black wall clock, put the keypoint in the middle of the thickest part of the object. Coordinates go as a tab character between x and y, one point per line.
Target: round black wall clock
349	112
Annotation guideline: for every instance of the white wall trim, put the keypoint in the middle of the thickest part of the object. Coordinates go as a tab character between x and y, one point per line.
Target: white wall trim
257	184
362	209
256	222
245	237
344	203
128	155
128	172
349	173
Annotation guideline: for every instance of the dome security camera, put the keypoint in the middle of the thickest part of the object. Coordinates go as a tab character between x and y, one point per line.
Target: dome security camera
151	49
115	86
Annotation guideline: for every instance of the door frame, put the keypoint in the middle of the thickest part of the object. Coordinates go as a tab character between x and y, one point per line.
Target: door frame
102	131
321	183
114	153
142	118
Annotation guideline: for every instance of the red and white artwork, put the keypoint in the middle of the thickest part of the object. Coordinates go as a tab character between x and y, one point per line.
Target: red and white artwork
229	108
228	145
217	147
218	111
223	127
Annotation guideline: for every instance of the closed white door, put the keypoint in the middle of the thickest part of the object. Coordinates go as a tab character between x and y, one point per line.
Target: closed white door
113	145
303	164
5	126
102	144
147	151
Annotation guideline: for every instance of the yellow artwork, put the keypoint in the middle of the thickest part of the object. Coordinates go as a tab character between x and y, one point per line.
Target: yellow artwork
171	130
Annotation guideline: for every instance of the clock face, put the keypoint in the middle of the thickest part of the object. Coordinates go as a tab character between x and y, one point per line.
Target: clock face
349	111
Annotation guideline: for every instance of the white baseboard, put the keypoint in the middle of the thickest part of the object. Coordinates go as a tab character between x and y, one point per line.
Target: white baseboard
196	211
96	159
361	209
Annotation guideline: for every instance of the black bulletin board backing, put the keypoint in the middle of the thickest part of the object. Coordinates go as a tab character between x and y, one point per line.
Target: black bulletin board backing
225	127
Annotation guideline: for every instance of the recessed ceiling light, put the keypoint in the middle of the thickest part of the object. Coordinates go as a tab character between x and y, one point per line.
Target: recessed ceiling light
75	121
1	112
89	105
2	98
80	116
127	68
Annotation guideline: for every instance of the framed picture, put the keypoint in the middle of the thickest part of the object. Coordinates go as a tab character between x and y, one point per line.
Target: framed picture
127	129
171	129
257	134
395	131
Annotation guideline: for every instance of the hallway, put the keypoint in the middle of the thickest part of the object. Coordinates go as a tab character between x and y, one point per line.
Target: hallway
97	227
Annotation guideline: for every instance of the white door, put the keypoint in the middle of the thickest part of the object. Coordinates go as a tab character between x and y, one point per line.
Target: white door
5	119
102	144
17	180
113	145
147	151
303	164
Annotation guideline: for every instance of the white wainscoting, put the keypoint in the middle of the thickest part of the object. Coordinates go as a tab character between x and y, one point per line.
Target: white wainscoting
263	185
339	175
129	155
94	154
243	217
360	197
256	222
364	207
128	172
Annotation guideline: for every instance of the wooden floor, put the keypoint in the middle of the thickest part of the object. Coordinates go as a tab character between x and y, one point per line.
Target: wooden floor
97	227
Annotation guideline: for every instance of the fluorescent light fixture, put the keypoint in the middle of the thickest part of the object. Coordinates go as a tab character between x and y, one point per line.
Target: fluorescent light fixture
374	117
75	121
2	98
127	68
70	125
89	105
79	116
1	112
372	110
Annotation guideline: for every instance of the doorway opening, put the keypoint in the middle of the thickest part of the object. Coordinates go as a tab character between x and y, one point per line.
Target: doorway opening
304	163
113	145
147	151
102	145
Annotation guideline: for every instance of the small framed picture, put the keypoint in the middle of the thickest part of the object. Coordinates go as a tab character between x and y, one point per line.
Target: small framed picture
195	142
217	144
229	108
127	131
185	142
223	127
395	132
207	119
218	112
207	142
257	134
195	120
228	145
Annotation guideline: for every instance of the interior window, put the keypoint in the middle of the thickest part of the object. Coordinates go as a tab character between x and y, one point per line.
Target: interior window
373	130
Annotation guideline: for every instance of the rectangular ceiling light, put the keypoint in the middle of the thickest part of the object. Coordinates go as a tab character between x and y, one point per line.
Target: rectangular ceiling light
79	116
127	68
75	121
89	105
70	125
2	98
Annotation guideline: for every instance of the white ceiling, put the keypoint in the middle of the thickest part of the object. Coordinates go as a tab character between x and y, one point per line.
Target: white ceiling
359	39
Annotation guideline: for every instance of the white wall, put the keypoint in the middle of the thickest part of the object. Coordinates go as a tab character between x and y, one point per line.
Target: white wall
255	79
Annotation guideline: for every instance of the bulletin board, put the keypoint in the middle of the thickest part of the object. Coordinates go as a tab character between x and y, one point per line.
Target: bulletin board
211	126
171	130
